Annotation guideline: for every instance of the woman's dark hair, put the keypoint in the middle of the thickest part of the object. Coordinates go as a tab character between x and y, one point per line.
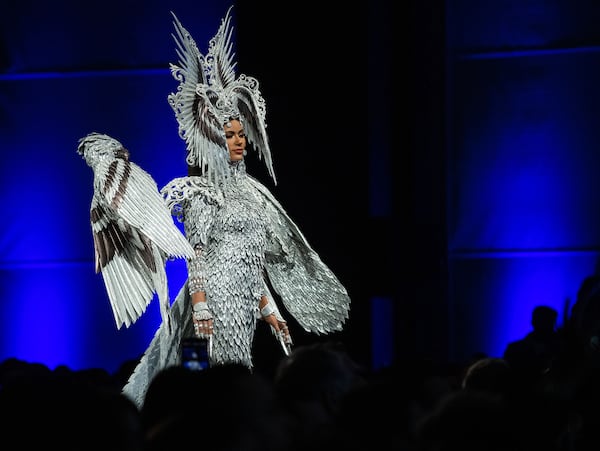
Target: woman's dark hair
194	170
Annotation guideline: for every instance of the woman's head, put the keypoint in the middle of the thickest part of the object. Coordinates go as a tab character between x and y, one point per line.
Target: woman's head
236	139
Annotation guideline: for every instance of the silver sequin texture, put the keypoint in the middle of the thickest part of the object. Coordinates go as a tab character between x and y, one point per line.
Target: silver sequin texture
233	256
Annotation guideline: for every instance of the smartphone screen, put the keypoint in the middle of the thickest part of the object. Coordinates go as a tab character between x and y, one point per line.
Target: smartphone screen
194	353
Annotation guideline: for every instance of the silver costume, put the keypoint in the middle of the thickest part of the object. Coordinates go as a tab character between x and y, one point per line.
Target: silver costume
243	244
248	245
229	234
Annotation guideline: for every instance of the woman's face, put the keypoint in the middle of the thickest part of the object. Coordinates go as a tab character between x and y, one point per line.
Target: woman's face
236	139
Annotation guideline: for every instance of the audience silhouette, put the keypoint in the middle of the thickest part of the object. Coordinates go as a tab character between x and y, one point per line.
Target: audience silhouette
541	394
535	353
311	384
225	407
64	409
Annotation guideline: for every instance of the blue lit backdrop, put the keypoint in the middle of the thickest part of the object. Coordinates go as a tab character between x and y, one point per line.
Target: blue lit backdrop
521	119
523	139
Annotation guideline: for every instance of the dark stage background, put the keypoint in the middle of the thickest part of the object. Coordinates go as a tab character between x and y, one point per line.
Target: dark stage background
441	158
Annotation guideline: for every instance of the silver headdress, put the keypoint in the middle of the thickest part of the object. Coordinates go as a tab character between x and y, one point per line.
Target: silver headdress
209	95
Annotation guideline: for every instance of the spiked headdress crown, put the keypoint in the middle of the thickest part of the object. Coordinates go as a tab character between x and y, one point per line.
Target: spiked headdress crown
209	95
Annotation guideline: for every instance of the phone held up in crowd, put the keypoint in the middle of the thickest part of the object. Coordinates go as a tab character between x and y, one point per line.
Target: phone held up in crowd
195	353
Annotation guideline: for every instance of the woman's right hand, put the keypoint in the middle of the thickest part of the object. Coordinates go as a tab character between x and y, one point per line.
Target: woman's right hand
202	319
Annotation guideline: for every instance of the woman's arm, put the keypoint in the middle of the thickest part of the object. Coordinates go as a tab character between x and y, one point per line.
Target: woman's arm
201	315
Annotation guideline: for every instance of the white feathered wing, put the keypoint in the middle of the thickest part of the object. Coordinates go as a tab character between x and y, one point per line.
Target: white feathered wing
133	231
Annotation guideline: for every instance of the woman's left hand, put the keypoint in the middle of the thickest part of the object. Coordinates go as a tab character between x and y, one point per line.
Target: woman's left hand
280	328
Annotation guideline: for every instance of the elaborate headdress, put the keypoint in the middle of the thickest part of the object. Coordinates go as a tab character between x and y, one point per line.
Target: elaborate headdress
209	95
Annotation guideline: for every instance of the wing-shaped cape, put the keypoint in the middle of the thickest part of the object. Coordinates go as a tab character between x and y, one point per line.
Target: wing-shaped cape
134	233
309	290
133	230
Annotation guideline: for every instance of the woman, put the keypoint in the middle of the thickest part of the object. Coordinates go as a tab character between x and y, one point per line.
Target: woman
227	227
246	246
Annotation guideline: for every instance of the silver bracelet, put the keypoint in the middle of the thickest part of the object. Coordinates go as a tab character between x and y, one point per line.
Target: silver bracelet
198	306
267	310
195	284
200	311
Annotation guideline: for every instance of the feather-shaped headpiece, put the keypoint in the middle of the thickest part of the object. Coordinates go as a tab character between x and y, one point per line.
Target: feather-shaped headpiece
209	95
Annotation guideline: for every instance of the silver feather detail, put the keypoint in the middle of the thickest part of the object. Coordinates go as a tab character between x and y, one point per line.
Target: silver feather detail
246	236
308	288
133	230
